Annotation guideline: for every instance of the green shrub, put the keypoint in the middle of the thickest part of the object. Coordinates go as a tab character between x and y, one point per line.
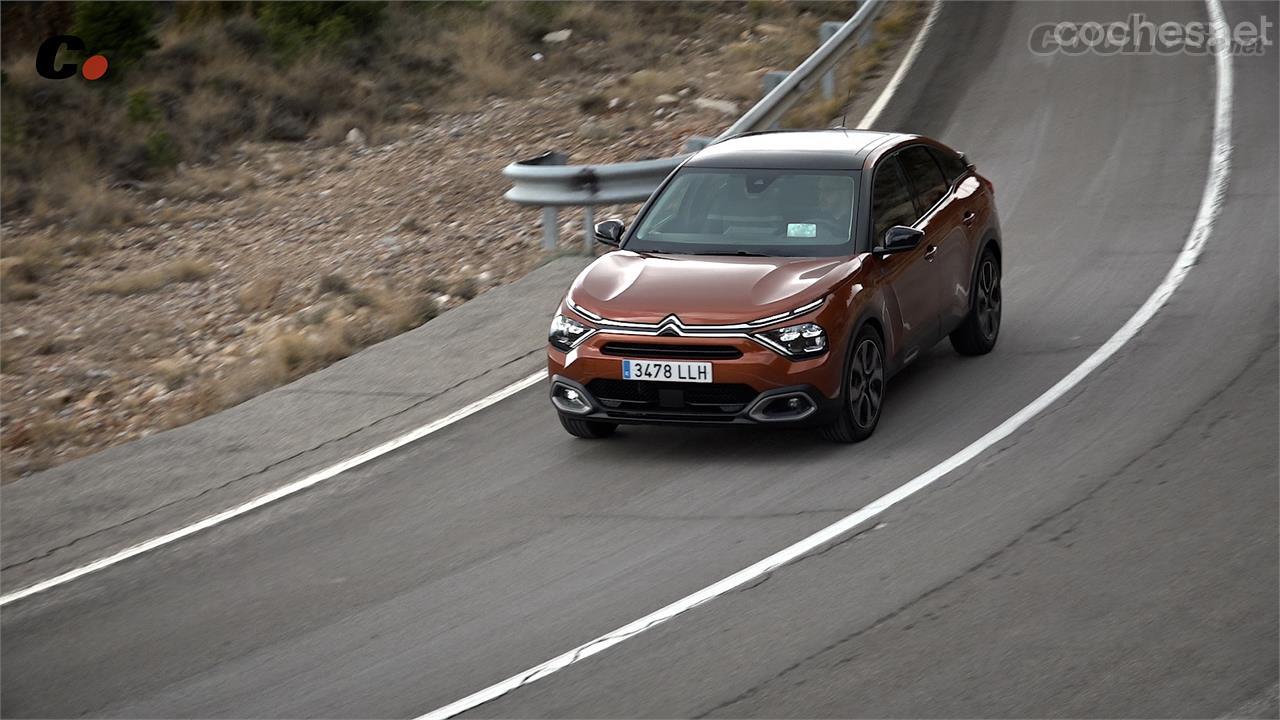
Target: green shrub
295	28
531	19
139	108
245	32
162	151
193	13
119	30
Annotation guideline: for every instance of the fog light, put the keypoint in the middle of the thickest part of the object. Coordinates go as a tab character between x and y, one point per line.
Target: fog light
567	399
792	406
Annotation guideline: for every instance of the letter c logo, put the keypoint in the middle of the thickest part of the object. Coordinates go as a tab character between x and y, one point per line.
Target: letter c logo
46	57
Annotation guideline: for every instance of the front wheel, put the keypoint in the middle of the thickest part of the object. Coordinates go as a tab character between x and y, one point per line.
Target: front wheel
863	391
978	332
587	429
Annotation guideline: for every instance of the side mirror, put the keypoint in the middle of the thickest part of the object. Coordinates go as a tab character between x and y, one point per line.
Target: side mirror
899	238
610	232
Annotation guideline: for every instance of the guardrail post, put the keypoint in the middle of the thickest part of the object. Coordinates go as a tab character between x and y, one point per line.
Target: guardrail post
550	216
589	227
825	31
550	228
771	80
589	181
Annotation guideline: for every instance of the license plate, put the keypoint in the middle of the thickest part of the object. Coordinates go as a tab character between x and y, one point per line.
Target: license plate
694	372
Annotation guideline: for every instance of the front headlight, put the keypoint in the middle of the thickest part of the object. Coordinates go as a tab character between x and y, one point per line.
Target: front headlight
798	341
567	333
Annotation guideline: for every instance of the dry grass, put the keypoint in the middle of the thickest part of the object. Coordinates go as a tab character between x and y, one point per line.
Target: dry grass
435	284
77	199
864	63
333	283
173	373
487	58
260	293
10	362
26	263
643	86
286	354
466	288
300	352
49	344
240	382
144	281
333	129
38	434
288	169
30	259
17	291
209	183
410	312
17	269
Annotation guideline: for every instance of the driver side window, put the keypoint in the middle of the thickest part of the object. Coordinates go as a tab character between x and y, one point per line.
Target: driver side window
891	202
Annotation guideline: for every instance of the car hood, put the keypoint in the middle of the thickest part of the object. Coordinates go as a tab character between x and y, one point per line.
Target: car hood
703	290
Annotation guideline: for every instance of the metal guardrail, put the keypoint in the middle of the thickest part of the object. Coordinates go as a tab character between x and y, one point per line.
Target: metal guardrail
547	181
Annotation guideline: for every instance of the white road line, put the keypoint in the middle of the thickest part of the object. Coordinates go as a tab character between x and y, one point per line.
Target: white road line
1201	229
887	94
281	492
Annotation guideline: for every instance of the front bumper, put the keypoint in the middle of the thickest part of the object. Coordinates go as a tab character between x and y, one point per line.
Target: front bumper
796	405
759	386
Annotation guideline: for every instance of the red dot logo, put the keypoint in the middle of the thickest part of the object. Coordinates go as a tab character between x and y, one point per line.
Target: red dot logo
94	67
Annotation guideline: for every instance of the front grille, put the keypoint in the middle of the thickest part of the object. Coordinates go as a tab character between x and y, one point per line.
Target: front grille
671	351
645	397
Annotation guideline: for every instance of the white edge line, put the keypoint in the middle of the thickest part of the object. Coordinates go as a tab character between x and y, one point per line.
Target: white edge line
1201	228
280	492
887	94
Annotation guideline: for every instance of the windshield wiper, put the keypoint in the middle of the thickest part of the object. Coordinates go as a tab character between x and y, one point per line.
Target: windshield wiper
738	253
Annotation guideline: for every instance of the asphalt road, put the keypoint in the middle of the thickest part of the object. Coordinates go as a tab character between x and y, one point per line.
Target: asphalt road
1115	557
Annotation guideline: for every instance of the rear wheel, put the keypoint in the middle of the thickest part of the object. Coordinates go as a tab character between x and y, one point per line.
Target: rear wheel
863	391
978	332
588	429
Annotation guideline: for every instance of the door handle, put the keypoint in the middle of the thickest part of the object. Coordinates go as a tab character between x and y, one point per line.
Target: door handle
930	252
969	217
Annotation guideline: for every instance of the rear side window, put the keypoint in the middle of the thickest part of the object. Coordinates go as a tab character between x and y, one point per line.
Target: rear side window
890	200
925	176
952	166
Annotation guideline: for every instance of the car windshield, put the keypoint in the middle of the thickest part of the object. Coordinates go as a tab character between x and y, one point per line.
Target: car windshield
717	211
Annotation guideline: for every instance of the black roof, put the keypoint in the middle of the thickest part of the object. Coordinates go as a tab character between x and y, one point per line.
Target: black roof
835	149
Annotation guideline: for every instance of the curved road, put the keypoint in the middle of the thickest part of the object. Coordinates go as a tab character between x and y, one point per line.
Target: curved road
1117	556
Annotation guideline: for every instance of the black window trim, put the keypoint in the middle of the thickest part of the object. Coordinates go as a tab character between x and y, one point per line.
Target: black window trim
915	193
936	150
906	181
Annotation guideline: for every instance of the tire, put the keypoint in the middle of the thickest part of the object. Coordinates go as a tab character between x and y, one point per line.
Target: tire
980	329
587	429
862	396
